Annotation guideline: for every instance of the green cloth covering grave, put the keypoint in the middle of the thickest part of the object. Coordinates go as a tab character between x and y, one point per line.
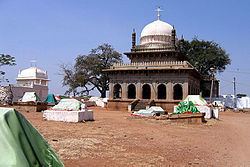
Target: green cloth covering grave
21	145
186	107
50	99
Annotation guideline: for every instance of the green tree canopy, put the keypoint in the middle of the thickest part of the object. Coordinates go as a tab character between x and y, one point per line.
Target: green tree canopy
87	74
6	60
204	55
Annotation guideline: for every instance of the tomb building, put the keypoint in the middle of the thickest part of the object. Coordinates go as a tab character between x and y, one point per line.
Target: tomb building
157	73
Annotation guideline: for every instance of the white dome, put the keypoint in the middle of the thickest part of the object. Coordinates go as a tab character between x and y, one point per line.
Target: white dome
156	34
32	73
157	27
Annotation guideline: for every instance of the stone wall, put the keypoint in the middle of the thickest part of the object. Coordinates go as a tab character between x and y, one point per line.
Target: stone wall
189	84
118	105
168	106
18	91
29	106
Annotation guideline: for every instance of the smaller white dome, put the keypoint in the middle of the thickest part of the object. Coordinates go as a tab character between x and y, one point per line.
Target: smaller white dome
32	73
157	27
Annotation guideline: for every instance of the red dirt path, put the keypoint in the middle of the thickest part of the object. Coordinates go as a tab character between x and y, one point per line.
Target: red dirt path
116	139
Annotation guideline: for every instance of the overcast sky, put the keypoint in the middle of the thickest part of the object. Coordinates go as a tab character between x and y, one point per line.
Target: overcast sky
54	32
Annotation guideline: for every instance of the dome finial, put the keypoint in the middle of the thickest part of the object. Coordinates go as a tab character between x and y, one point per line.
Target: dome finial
33	63
158	10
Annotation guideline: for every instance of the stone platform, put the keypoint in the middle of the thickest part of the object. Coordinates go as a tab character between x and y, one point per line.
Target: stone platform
122	105
68	116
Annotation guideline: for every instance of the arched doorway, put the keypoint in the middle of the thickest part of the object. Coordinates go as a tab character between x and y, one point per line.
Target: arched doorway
161	90
146	91
117	91
178	93
206	93
131	91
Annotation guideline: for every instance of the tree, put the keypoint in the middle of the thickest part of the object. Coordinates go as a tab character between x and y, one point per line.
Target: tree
69	80
6	60
204	54
87	72
77	85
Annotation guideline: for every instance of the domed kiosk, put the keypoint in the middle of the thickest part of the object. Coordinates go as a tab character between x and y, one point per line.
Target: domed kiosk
157	72
31	79
32	73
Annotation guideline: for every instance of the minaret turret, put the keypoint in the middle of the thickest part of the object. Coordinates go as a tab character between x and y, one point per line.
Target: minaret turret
133	39
173	37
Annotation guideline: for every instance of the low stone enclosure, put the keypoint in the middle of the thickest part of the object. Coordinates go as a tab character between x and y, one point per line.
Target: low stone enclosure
28	106
128	104
195	118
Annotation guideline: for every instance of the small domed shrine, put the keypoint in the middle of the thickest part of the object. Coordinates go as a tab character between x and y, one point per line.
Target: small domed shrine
157	72
32	79
32	75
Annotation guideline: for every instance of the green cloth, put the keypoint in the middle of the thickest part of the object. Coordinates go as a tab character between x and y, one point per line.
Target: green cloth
50	99
21	145
186	106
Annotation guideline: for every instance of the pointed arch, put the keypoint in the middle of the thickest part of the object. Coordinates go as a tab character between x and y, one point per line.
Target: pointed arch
178	92
161	91
131	91
117	93
146	91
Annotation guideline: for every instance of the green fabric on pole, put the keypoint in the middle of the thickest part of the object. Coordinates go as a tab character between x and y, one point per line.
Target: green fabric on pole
21	144
186	106
50	99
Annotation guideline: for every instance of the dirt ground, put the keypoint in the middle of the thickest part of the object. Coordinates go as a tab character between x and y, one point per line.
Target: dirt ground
117	139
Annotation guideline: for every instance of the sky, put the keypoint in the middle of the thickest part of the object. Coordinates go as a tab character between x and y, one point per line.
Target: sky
56	32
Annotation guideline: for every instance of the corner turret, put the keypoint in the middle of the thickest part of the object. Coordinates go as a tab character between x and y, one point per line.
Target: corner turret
133	39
